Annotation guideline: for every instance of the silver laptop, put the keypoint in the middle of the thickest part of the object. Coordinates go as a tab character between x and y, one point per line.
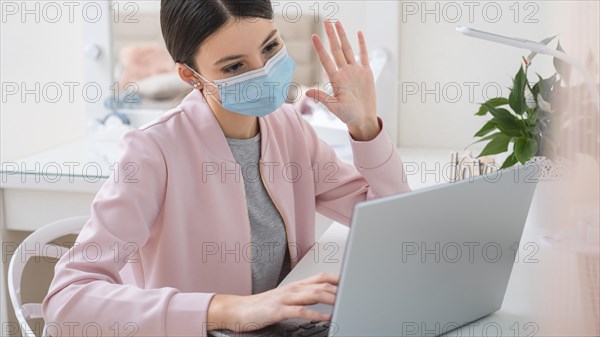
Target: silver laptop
426	262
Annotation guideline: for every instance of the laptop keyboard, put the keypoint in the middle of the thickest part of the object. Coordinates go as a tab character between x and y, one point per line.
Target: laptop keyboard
312	328
284	329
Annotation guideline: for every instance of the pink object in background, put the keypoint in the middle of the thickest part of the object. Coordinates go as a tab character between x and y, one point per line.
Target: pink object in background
143	60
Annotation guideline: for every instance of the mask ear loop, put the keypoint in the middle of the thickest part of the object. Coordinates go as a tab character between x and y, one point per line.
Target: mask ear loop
196	84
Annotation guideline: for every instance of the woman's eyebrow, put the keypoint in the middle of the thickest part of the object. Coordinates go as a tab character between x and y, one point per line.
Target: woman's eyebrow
233	57
269	37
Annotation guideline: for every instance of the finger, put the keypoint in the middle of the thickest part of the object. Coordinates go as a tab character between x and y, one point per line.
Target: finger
324	58
364	53
346	47
300	311
311	294
327	287
320	96
334	45
320	278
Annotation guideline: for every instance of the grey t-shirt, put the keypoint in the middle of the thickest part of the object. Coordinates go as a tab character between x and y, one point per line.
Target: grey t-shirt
270	255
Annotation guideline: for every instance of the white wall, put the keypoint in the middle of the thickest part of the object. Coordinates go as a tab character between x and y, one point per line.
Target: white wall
433	54
350	13
46	53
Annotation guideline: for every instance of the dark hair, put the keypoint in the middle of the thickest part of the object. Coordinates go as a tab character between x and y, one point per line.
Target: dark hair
185	24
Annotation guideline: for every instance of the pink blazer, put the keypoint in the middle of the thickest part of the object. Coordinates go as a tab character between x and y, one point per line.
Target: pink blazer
170	228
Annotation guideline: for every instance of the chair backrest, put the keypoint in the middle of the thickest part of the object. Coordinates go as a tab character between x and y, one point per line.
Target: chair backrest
38	239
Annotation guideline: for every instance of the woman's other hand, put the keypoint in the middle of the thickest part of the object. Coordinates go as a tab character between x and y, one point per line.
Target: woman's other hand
253	312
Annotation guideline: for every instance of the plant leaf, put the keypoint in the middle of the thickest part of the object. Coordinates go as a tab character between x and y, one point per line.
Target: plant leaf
499	112
509	161
494	102
525	148
545	42
498	144
516	98
546	85
535	90
531	116
562	67
488	137
485	129
508	125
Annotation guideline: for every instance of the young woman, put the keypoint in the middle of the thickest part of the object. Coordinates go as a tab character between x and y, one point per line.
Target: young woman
214	202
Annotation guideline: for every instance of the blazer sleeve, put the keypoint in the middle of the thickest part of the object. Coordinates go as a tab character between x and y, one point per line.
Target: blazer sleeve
377	172
87	294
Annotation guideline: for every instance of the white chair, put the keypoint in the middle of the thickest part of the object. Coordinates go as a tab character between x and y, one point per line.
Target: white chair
38	239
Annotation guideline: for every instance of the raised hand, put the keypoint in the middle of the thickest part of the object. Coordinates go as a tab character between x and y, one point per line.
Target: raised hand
354	99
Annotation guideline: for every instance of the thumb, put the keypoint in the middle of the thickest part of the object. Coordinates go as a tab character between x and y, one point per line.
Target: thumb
320	96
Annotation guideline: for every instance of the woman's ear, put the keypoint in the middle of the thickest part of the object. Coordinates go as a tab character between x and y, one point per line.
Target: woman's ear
188	76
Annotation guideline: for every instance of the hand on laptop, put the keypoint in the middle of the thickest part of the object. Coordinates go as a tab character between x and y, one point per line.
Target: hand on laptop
253	312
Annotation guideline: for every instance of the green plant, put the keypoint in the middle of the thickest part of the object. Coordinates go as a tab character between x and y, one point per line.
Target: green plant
524	117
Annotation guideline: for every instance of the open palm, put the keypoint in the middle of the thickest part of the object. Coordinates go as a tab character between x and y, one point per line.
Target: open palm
353	100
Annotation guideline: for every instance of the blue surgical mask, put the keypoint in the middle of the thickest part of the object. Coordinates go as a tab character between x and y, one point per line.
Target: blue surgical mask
257	92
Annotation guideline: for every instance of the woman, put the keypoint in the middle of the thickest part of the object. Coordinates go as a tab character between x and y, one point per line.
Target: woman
214	202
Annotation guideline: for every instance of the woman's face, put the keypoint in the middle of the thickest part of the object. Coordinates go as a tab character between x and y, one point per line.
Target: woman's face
240	46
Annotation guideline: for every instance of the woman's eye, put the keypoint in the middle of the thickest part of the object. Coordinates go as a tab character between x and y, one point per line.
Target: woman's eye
233	68
271	47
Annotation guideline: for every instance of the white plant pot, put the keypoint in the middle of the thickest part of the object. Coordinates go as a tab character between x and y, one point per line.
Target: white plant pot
546	206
